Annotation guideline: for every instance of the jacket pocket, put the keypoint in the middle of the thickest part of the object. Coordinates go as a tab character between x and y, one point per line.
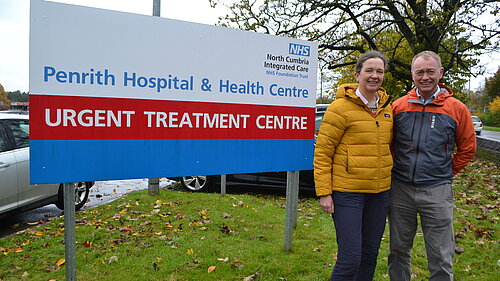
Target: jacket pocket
447	149
347	161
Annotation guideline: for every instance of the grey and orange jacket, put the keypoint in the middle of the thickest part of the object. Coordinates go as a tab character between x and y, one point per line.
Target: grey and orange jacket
425	137
352	151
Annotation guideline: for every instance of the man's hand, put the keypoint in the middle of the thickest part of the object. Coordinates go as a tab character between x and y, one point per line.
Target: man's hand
326	203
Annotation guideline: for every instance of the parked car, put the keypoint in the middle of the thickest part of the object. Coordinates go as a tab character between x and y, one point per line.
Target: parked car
13	111
321	108
261	180
251	180
16	194
478	125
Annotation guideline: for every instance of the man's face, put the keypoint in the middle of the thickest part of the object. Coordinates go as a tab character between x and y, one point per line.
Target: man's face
426	74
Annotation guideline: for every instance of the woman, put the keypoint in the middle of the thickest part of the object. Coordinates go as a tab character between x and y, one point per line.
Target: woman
352	167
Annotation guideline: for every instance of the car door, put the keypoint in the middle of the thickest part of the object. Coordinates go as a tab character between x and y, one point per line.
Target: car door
8	172
27	193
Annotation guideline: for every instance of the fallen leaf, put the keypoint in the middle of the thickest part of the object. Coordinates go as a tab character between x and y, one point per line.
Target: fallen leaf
112	259
459	250
51	268
60	262
252	277
19	250
25	275
87	244
237	265
225	229
190	251
211	268
226	259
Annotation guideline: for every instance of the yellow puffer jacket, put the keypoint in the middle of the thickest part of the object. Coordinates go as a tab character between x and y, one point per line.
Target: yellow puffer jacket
352	151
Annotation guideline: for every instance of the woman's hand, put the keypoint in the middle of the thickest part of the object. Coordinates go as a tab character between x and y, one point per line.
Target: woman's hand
326	203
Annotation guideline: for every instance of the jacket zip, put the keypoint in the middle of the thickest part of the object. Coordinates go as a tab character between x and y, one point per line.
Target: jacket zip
379	154
417	151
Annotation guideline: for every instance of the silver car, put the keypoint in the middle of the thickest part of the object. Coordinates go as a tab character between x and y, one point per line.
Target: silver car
16	194
478	125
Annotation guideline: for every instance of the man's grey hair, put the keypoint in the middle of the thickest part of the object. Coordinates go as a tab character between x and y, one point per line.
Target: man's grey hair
427	55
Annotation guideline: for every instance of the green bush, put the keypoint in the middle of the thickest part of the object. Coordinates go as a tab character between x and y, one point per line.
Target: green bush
489	118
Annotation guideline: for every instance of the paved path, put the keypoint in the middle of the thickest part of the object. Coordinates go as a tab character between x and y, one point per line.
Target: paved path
491	135
101	193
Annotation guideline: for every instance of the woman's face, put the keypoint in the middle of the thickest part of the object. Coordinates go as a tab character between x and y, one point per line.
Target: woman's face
371	76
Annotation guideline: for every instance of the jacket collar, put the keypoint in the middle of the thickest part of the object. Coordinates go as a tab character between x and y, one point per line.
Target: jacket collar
444	93
349	91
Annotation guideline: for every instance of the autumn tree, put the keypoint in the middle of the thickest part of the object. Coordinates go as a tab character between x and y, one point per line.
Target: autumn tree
487	93
4	101
492	86
494	106
18	96
457	30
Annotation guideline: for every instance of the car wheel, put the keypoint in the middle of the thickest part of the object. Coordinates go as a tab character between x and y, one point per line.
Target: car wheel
197	183
82	190
478	133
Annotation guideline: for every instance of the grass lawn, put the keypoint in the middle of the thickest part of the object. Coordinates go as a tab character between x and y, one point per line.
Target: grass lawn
200	236
491	128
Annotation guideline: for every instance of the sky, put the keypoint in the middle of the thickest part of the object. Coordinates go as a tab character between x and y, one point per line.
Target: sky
14	32
14	28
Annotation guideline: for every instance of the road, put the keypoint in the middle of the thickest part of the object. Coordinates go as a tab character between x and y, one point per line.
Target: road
492	135
102	192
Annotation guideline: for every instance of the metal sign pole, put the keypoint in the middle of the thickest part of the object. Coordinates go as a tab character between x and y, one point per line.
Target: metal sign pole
292	203
69	231
222	185
154	183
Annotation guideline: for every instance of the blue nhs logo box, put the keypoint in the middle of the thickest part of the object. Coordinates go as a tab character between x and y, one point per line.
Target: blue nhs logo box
297	49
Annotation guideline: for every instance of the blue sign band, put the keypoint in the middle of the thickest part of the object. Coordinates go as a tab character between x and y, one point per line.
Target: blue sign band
199	157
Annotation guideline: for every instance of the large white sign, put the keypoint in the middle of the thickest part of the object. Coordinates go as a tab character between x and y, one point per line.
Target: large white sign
116	95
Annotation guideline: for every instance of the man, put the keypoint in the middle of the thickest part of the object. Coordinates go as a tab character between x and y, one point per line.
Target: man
428	124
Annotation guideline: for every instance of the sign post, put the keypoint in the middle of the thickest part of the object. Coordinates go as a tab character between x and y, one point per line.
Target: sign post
69	231
292	203
223	185
154	183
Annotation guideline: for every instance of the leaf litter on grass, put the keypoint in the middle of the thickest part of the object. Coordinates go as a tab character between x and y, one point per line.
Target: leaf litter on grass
183	235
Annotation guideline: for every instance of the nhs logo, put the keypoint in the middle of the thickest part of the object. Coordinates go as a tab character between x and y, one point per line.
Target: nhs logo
297	49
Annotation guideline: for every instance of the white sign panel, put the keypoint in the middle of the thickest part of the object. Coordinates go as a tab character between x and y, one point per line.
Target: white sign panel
142	96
